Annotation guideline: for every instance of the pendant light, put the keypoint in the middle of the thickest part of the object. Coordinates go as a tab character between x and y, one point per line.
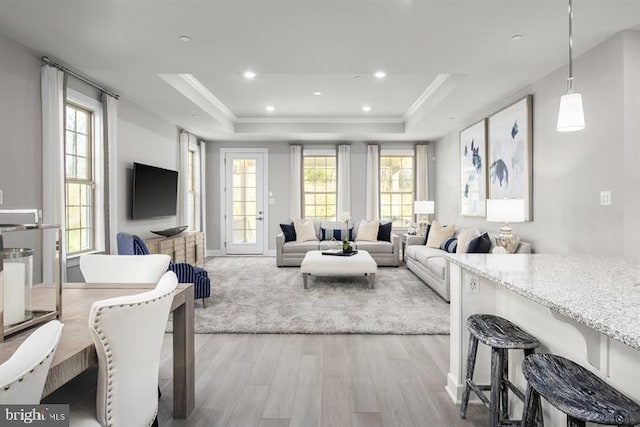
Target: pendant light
571	114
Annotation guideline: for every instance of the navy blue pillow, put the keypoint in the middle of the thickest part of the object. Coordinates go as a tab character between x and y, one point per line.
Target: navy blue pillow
480	245
289	232
335	233
384	232
450	245
426	233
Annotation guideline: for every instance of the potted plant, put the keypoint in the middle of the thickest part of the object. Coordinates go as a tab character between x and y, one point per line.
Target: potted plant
346	247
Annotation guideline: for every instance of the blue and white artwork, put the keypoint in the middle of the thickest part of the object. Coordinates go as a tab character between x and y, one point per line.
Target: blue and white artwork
473	172
510	153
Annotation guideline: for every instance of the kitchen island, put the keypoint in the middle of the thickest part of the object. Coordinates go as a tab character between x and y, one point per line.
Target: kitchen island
582	307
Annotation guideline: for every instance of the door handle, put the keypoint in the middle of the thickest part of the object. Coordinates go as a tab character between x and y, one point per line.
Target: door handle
258	218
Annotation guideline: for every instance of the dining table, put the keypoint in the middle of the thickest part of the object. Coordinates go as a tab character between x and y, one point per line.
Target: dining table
76	351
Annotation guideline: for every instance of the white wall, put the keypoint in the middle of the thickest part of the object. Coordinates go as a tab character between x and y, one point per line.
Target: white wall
570	169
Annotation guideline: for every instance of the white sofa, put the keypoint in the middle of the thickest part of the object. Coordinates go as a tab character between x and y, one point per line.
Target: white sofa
430	264
291	254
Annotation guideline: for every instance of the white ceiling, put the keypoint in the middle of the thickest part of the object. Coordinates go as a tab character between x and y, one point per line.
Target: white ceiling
444	58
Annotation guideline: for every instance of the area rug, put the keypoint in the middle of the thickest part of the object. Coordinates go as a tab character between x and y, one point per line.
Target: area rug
252	295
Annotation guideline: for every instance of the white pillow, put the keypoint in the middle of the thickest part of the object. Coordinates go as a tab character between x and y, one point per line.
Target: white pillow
368	230
465	237
305	230
438	234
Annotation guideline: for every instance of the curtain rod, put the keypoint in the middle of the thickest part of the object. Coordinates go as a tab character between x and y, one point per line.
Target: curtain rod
64	69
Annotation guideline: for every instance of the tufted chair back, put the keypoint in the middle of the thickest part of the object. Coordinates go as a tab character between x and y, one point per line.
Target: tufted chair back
22	377
128	332
123	268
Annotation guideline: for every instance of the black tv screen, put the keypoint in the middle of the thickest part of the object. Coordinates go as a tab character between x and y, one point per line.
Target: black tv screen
155	192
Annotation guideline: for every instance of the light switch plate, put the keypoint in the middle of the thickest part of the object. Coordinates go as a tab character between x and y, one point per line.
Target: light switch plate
0	197
605	198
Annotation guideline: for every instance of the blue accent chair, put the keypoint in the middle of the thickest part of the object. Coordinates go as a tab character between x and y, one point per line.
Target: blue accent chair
129	244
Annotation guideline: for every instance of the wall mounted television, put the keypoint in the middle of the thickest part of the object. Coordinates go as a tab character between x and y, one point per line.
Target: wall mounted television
155	192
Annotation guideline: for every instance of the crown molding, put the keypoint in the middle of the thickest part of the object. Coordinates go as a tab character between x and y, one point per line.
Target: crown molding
327	120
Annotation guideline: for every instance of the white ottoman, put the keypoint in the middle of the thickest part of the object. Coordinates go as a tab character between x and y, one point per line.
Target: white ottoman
316	263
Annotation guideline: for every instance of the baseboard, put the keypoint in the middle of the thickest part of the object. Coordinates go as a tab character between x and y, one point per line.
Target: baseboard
213	252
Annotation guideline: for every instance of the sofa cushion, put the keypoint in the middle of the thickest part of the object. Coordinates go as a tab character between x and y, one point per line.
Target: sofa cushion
437	265
289	232
330	244
384	231
300	247
378	247
424	251
430	258
368	230
438	234
305	230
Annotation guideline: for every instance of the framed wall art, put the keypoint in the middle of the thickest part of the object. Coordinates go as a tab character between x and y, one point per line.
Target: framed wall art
473	169
510	163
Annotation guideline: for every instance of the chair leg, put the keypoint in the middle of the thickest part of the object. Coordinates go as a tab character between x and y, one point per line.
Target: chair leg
496	383
531	401
471	364
573	422
504	390
538	403
204	302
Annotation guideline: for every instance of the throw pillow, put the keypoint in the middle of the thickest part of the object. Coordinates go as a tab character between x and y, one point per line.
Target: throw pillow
438	234
289	232
305	230
384	232
450	245
426	233
480	245
368	230
337	234
465	237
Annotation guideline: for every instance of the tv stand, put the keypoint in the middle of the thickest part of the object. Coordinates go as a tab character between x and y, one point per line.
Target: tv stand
186	247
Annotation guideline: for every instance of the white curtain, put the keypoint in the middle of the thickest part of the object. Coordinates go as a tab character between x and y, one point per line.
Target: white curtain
53	191
344	179
183	179
373	182
203	188
295	178
422	169
110	142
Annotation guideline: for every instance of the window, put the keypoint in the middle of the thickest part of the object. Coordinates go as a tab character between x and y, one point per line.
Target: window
79	180
319	186
397	188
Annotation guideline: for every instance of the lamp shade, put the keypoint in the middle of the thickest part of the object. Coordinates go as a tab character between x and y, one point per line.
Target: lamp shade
421	207
571	113
505	210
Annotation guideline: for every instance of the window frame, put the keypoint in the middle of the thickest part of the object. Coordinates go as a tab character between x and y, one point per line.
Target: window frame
320	152
93	106
398	152
194	179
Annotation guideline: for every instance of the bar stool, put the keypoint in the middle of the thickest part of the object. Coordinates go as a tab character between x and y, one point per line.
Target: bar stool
501	335
576	391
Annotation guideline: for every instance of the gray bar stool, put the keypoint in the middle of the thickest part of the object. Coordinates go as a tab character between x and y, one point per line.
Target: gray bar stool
575	391
501	335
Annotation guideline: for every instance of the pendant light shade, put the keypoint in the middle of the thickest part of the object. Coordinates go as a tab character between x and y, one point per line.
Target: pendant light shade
571	113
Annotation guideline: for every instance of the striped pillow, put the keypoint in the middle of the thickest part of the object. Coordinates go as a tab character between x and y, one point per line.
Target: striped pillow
337	234
450	245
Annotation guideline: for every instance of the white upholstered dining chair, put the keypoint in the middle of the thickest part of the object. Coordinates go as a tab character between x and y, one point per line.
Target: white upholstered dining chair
127	332
123	268
22	377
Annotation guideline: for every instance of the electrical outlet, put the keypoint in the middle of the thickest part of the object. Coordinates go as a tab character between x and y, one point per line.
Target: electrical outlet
605	198
472	286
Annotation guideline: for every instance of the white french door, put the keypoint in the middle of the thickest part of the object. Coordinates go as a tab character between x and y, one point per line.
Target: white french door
244	216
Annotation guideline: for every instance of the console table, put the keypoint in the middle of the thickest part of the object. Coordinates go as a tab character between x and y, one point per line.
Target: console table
585	308
185	247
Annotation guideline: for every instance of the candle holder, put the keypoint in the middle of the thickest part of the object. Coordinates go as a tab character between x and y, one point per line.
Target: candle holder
16	277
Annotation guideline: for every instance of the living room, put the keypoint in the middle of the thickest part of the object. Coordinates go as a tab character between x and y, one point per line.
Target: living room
317	84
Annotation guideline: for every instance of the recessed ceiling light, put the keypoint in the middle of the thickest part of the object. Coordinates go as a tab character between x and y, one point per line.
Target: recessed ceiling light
249	75
358	76
317	93
195	116
517	37
452	118
270	108
366	108
184	39
380	74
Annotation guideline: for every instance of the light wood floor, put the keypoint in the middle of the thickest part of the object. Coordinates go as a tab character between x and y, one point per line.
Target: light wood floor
318	380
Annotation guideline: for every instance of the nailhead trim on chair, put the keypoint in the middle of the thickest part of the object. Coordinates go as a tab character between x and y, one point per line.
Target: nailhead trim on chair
19	380
107	350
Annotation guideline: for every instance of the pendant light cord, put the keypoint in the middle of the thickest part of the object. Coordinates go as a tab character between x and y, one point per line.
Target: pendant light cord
570	79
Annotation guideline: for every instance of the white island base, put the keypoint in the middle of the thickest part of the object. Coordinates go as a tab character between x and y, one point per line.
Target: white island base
476	288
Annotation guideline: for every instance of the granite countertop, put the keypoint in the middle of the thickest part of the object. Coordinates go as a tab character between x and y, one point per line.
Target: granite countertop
600	292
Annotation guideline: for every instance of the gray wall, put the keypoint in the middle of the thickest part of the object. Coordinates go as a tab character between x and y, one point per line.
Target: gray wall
279	183
570	169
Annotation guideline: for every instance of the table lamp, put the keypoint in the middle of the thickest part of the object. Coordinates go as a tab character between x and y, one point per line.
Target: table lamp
506	211
422	209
